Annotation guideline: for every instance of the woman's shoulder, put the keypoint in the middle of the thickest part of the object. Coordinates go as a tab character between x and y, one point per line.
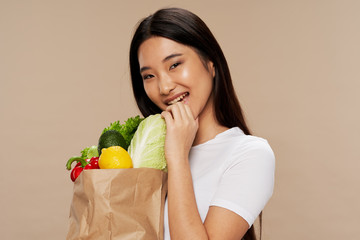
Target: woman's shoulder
234	141
248	147
238	138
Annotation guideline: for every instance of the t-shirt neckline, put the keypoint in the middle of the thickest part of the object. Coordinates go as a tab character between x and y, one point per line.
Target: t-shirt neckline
220	136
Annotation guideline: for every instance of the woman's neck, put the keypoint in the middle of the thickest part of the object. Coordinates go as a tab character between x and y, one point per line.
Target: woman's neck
209	127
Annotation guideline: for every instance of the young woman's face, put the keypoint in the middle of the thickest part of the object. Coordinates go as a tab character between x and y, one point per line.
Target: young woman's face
173	72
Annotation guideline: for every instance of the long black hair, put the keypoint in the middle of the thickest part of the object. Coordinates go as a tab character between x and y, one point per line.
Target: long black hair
186	28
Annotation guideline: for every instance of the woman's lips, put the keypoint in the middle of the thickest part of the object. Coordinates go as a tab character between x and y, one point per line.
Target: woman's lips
177	98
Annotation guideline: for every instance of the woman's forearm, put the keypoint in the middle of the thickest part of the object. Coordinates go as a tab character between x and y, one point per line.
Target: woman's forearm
184	218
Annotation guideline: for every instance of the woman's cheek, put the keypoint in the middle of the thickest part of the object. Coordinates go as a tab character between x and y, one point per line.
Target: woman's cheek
185	74
153	94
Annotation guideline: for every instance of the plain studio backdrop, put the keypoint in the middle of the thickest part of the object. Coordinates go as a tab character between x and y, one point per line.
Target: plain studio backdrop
295	64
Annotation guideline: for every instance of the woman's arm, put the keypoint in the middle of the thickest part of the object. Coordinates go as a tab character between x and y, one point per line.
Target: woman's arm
222	223
184	218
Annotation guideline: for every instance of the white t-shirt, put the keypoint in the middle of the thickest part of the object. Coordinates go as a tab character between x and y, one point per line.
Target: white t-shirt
234	171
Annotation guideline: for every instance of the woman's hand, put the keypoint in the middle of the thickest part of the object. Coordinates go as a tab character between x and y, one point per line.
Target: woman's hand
181	129
184	218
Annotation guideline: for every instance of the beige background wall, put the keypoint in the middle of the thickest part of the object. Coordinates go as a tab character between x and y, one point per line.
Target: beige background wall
295	64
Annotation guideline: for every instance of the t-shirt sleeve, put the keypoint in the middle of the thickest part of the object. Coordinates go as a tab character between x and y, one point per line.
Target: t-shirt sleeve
248	180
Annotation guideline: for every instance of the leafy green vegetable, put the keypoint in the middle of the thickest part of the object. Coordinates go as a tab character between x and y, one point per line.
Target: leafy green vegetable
147	146
89	152
127	129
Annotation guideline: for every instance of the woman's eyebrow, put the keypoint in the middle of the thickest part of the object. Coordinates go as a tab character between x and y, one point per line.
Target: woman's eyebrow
144	69
164	60
171	56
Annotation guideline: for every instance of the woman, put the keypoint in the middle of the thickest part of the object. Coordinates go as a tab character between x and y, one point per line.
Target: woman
219	176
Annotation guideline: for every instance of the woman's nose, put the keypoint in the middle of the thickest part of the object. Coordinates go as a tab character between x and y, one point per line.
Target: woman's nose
166	85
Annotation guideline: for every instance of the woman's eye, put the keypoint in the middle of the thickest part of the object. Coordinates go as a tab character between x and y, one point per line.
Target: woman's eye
174	65
148	76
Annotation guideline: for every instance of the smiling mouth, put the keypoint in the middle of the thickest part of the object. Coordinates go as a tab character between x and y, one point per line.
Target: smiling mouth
178	99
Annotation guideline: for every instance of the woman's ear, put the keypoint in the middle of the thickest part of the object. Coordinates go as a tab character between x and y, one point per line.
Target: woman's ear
211	68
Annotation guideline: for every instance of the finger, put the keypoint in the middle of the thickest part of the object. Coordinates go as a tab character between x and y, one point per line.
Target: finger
188	111
167	117
182	110
175	111
190	116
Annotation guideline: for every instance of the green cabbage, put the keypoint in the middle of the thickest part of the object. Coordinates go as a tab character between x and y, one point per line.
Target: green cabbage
147	146
89	152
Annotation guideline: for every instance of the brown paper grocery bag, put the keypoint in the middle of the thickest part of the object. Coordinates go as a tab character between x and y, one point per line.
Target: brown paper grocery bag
121	204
